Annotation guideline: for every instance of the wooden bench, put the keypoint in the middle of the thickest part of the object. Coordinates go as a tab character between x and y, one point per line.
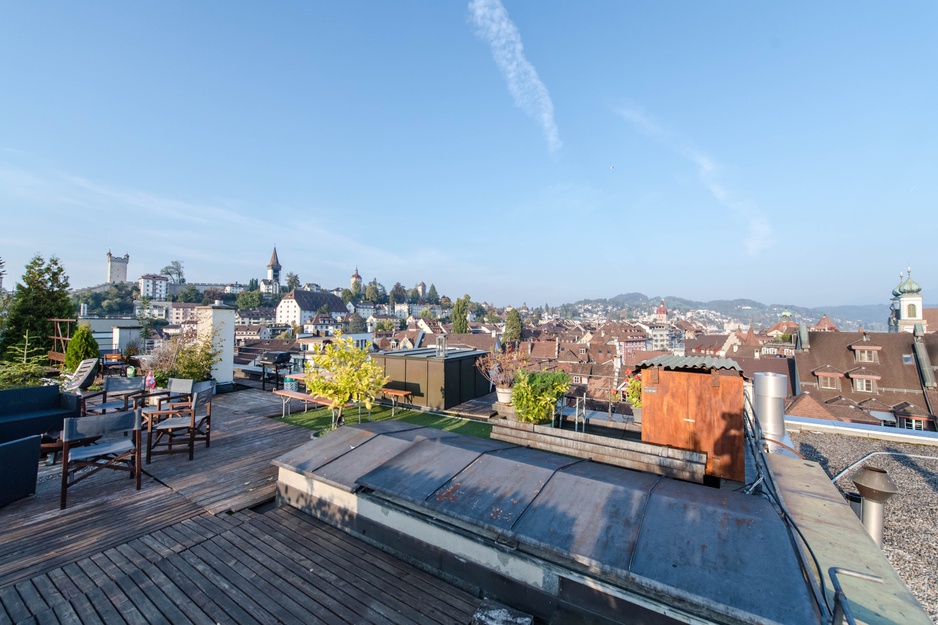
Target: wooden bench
395	394
286	396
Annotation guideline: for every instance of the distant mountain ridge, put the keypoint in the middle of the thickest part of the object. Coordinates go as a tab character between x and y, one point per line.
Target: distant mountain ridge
870	316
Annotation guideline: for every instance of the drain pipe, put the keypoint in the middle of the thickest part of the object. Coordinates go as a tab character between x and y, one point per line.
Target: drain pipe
770	391
876	489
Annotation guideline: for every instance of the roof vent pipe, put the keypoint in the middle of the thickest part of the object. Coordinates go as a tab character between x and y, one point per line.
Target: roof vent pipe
770	390
876	489
441	346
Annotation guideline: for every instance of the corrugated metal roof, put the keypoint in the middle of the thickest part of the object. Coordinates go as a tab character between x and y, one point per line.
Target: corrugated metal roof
704	363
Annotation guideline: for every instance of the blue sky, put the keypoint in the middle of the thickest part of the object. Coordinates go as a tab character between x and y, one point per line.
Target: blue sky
518	152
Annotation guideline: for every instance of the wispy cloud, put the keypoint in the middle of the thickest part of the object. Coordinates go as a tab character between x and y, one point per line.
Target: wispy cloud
528	92
759	234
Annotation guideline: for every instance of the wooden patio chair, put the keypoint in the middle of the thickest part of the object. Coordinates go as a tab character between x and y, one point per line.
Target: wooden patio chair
177	428
113	362
117	394
177	390
120	453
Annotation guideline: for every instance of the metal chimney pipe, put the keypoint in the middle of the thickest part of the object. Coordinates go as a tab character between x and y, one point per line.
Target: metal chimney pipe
770	390
876	489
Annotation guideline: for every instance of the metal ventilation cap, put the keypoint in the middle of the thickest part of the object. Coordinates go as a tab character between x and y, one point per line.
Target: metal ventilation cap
874	484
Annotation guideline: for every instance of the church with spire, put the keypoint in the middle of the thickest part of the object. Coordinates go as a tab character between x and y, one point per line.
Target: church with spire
271	284
906	310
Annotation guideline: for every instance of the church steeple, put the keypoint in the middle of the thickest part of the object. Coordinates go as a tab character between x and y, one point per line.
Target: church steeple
274	267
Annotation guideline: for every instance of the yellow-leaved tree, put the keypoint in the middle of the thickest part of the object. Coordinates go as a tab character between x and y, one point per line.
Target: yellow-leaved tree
342	372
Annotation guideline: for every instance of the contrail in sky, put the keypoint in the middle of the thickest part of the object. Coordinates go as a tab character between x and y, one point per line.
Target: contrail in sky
529	93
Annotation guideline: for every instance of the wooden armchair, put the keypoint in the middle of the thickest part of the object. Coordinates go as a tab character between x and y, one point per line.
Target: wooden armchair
112	362
181	424
118	394
121	453
177	390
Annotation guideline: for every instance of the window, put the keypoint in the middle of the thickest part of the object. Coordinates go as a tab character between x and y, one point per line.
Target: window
866	355
907	359
913	424
911	310
582	350
576	379
827	381
863	385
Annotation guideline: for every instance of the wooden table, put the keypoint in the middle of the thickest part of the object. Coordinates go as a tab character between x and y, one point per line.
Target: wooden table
396	395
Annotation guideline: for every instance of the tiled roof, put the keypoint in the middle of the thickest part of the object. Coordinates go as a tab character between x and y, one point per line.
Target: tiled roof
314	300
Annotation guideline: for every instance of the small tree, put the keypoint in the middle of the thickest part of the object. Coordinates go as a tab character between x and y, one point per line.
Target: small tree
81	347
341	372
385	325
293	281
248	299
512	327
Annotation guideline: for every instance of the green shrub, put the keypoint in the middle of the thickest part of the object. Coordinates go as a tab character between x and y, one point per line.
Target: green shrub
81	347
20	374
536	392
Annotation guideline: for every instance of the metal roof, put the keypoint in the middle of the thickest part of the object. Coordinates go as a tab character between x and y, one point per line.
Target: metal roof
704	363
652	534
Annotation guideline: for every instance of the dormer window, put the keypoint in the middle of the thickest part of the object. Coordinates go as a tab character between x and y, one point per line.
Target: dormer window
863	385
828	382
866	355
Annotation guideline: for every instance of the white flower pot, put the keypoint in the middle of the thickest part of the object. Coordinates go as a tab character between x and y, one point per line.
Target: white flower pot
503	395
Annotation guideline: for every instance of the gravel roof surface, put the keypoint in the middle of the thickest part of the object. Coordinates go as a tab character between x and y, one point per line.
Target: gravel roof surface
910	534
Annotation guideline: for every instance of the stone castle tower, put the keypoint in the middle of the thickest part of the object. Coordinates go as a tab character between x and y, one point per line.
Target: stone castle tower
117	268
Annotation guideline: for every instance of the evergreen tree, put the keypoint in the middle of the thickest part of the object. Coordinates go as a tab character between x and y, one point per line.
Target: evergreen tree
512	327
293	282
356	324
253	285
43	295
371	292
432	296
459	318
399	293
81	347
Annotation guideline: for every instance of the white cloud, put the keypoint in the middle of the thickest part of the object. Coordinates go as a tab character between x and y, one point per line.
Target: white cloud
528	92
759	233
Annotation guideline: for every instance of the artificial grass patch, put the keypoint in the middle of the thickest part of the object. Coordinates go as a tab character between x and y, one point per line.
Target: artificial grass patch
321	419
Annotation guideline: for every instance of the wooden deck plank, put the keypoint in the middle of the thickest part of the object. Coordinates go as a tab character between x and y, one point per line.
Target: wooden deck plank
13	604
105	609
336	579
275	603
304	525
194	613
328	607
218	600
47	590
64	584
31	597
66	614
85	611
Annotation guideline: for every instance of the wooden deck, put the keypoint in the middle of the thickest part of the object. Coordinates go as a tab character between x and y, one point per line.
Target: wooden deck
188	547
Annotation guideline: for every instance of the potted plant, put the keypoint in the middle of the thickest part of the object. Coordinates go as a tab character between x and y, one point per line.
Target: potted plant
500	368
633	395
536	393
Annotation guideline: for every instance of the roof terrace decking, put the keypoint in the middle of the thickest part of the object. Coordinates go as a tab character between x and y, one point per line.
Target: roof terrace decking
188	548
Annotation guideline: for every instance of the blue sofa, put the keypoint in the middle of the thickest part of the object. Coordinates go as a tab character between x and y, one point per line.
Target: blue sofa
34	410
19	466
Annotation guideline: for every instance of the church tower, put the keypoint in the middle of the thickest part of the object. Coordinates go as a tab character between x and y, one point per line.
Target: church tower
905	312
355	283
271	284
661	315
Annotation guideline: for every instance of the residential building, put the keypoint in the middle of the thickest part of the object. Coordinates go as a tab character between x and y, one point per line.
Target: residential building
888	375
153	286
264	315
299	306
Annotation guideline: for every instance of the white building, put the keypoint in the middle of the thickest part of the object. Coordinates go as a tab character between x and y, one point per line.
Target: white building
153	286
299	306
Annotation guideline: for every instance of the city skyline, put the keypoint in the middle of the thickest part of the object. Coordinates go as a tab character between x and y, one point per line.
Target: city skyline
514	152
